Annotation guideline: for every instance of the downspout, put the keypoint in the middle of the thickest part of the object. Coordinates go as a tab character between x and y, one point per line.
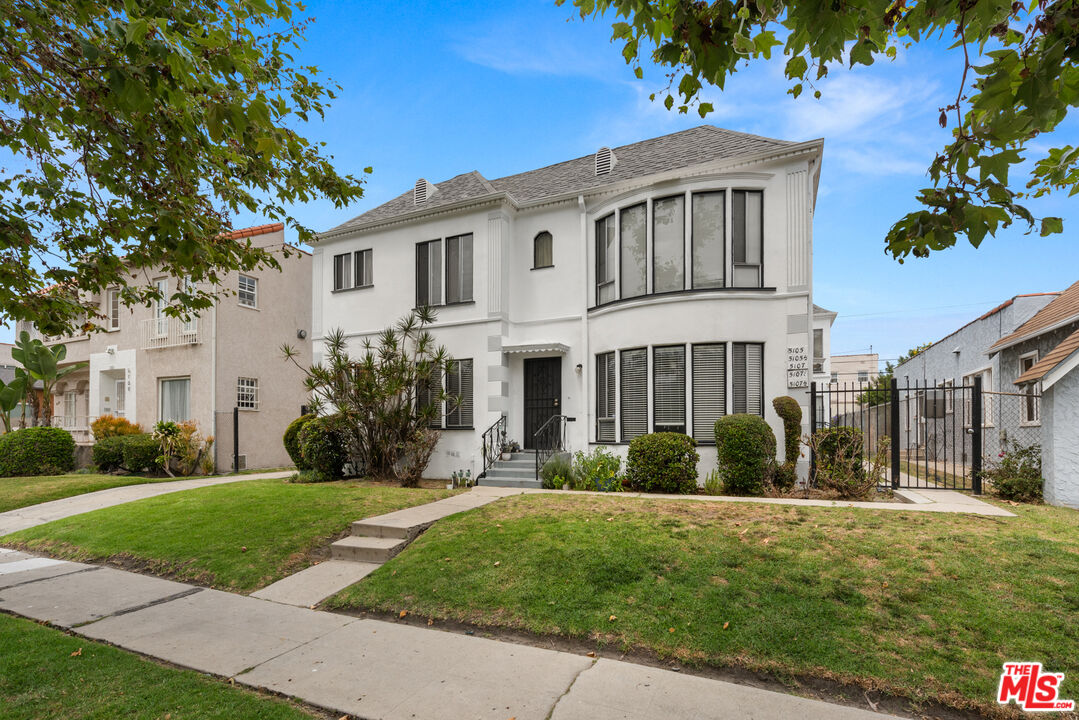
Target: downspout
213	380
586	415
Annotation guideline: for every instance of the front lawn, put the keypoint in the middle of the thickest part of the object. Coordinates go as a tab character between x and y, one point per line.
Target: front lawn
926	605
45	673
17	492
238	537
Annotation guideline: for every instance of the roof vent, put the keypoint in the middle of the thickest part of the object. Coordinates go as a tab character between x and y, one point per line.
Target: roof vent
605	161
423	191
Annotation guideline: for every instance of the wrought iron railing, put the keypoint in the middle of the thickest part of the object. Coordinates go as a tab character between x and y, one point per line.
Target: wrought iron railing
494	438
550	439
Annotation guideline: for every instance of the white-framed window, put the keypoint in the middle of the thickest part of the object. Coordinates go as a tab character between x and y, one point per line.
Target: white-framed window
247	393
113	303
190	325
161	320
633	251
863	376
429	273
249	291
70	408
835	377
364	270
606	259
708	249
459	388
669	388
175	399
948	386
342	271
987	399
669	244
606	385
1030	413
818	350
543	251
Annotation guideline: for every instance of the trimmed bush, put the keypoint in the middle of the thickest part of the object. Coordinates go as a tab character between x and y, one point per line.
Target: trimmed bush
107	426
663	462
784	476
556	472
746	447
36	451
840	453
1018	474
141	453
108	453
292	440
322	444
791	415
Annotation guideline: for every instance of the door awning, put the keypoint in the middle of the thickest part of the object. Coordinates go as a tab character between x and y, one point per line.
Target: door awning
535	348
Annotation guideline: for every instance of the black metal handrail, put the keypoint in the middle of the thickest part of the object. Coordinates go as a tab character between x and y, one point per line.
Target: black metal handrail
550	439
494	438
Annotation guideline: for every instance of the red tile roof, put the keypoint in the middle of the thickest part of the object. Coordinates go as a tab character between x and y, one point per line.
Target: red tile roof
253	231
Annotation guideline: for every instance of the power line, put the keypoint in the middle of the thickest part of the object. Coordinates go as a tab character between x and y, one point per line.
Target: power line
906	310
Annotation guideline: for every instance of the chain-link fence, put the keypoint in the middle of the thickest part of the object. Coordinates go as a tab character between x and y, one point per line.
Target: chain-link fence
1012	421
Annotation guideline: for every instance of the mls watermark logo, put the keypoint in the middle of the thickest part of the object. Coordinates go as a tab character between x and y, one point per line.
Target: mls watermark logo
1031	688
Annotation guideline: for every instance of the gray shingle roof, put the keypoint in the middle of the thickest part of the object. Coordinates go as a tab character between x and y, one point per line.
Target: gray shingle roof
648	157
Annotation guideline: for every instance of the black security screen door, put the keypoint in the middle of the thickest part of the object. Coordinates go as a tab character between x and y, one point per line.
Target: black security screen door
543	394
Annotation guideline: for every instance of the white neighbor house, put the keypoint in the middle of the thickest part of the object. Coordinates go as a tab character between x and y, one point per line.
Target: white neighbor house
654	286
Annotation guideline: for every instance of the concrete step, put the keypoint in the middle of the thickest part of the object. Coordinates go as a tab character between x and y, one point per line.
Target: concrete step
509	482
367	549
513	471
363	528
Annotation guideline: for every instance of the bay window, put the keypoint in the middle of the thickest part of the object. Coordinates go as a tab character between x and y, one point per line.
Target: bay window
605	397
709	230
709	389
633	230
668	244
747	230
606	255
669	389
634	393
748	376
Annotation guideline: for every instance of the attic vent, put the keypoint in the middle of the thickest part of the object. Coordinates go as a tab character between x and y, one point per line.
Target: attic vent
423	190
605	161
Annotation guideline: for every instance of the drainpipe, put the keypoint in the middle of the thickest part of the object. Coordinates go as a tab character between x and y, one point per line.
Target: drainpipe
586	413
213	380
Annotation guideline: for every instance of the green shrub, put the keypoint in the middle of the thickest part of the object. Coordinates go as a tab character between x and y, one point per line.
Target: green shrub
108	453
840	452
663	462
292	440
1017	475
791	415
784	476
36	451
141	453
322	444
713	483
746	447
598	470
106	426
556	472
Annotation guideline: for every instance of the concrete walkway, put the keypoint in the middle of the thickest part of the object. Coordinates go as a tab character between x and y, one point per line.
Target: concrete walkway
27	517
373	542
370	668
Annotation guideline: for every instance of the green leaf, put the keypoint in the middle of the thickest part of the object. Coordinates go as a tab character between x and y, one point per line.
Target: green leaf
796	68
1052	226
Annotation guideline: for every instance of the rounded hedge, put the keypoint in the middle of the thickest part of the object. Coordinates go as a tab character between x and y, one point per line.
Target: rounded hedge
36	451
746	448
108	453
663	462
292	440
323	447
141	453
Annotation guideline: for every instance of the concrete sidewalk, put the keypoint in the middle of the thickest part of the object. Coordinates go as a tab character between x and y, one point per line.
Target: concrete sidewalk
28	517
370	668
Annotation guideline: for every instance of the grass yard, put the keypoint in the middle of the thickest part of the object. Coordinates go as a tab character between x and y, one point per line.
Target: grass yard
925	605
238	537
17	492
45	673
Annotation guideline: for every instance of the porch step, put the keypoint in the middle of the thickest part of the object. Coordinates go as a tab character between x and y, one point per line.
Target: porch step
516	471
509	482
367	549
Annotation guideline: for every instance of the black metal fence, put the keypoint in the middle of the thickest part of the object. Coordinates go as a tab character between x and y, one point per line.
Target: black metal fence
927	429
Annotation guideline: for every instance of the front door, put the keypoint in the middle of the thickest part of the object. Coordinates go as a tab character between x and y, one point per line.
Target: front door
543	394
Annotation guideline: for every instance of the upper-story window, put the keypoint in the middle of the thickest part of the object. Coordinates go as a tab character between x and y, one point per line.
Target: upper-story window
542	251
352	270
362	262
113	309
342	271
725	231
606	256
249	291
458	274
669	244
747	233
818	350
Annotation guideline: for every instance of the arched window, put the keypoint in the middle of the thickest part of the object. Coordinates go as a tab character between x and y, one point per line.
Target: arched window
543	251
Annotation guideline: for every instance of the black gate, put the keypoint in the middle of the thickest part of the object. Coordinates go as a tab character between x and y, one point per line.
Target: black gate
924	434
543	395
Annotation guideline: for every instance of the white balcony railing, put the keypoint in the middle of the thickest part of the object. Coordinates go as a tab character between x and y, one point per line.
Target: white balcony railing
169	332
77	425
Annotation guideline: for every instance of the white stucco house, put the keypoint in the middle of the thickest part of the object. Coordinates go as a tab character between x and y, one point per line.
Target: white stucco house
654	286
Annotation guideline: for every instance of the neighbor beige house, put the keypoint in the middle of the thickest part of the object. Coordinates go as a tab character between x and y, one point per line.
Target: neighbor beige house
146	366
849	372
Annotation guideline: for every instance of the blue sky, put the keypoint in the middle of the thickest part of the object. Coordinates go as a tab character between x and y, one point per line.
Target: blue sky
444	88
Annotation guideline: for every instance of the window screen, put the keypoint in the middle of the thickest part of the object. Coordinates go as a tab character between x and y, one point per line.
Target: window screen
634	385
605	400
709	389
748	371
669	388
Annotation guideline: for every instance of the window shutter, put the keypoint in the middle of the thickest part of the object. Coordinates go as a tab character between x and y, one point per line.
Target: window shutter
709	390
749	378
669	388
634	393
605	399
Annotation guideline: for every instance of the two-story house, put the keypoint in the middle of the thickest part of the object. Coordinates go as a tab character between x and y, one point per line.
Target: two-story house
650	287
147	366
